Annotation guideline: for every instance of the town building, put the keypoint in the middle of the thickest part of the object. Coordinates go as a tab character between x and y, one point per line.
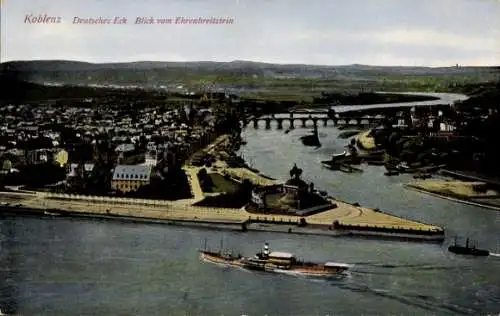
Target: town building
128	178
150	159
77	173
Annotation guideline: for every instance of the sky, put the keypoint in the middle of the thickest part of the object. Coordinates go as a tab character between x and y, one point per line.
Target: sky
323	32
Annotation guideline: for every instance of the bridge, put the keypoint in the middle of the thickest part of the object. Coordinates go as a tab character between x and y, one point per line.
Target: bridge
318	118
325	112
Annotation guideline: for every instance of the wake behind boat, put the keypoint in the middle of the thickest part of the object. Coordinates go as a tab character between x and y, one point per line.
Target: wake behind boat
276	262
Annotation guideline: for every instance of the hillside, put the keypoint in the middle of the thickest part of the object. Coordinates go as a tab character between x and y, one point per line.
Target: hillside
236	67
251	79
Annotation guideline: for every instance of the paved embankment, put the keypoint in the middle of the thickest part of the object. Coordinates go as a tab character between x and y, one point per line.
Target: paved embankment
194	182
348	218
474	193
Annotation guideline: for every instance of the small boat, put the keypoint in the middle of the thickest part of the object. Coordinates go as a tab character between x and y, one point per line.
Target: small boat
422	176
331	166
341	159
338	156
375	162
49	214
391	172
467	250
276	262
336	159
2	314
403	167
348	168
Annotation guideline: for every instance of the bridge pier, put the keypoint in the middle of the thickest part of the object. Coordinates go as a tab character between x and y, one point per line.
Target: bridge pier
325	122
315	122
268	123
280	123
256	123
304	122
291	123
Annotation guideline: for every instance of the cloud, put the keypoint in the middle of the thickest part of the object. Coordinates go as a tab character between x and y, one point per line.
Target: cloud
404	37
429	37
426	32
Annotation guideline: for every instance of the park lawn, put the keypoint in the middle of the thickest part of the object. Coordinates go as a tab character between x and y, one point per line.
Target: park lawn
222	185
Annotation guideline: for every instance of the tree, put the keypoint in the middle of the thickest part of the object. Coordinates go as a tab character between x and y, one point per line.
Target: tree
245	189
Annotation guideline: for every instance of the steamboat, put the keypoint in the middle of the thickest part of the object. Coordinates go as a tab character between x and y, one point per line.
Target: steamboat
275	262
467	250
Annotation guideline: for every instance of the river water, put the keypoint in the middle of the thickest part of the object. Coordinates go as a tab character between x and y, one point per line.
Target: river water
444	98
85	267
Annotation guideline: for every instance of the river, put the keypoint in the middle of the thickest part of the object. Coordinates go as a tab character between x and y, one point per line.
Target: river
444	98
85	267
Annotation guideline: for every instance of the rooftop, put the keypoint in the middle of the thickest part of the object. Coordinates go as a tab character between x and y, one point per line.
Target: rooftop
132	172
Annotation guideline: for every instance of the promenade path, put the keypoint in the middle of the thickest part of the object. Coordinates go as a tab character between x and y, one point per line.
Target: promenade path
194	182
344	213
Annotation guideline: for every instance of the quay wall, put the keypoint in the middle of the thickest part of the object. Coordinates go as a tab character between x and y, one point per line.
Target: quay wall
263	225
160	215
57	213
107	199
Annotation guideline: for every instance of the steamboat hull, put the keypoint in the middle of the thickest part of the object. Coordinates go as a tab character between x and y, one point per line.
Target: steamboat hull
304	270
220	259
468	251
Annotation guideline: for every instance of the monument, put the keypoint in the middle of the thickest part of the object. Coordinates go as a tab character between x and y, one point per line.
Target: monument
295	196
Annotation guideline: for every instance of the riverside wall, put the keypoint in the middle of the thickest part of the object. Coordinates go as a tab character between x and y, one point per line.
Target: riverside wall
354	221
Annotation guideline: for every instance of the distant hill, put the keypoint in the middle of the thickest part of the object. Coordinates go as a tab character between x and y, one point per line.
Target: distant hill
170	72
67	65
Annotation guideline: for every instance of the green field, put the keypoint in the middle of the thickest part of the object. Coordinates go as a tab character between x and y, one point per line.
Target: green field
222	185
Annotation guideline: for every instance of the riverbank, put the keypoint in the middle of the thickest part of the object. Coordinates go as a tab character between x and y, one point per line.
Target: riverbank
473	193
353	220
342	218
